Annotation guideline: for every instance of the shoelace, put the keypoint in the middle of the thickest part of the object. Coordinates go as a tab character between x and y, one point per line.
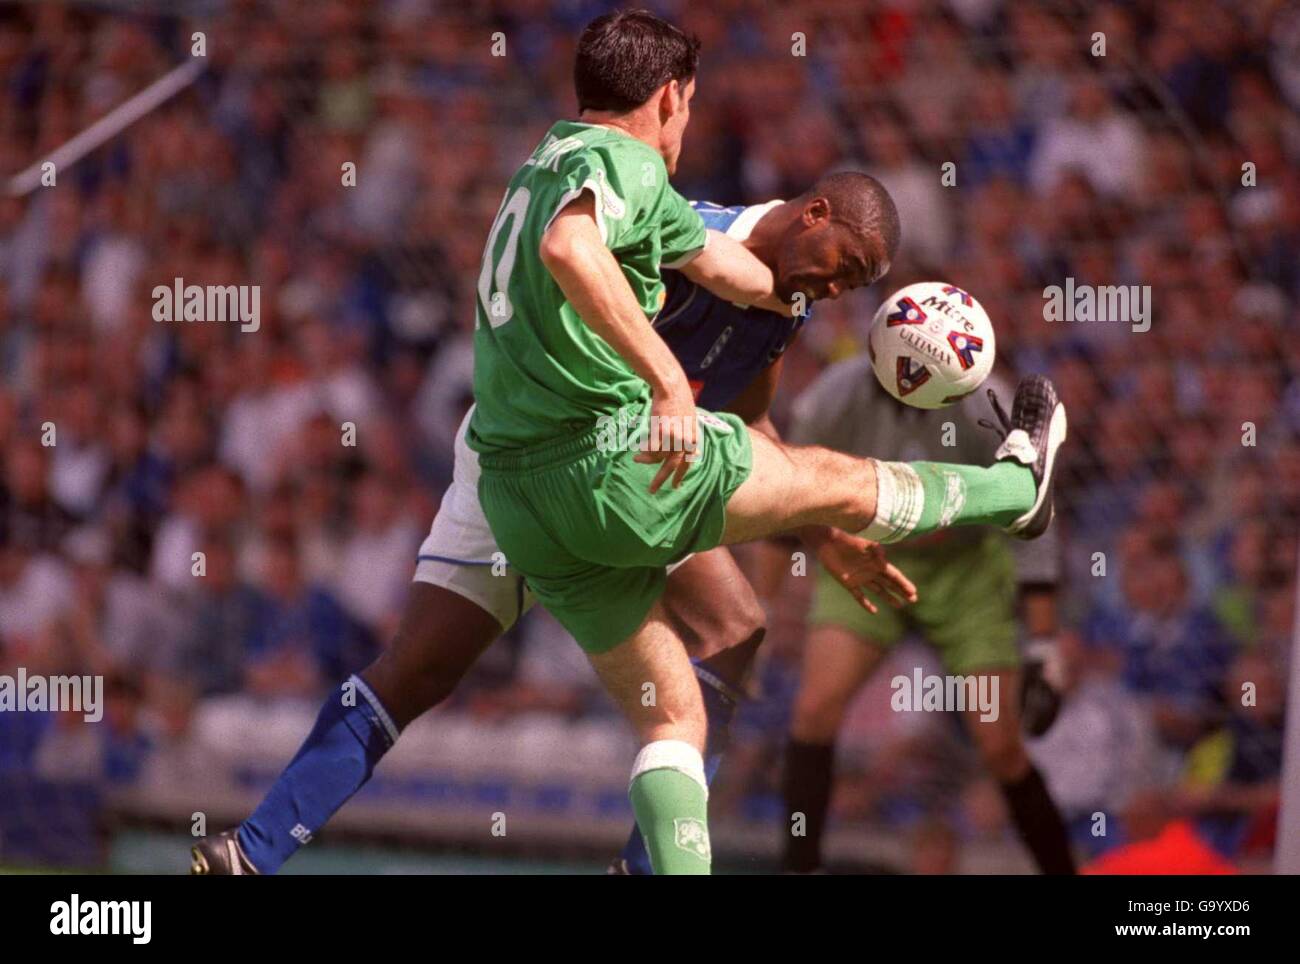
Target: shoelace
1002	430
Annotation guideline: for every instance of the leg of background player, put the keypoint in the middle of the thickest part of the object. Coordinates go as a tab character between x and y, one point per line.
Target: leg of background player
1032	810
440	636
836	662
713	608
792	486
668	790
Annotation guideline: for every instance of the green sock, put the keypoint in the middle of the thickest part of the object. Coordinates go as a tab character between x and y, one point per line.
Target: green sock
671	807
916	498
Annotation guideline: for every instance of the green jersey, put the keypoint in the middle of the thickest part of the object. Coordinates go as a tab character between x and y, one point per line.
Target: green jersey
539	372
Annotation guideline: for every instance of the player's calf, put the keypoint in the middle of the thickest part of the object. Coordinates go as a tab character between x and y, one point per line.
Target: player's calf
651	680
715	611
441	635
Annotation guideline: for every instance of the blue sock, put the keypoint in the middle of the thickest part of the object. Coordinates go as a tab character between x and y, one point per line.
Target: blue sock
333	763
720	702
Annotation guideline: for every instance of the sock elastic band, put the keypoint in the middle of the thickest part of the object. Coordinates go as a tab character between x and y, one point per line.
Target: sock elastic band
718	684
390	727
671	755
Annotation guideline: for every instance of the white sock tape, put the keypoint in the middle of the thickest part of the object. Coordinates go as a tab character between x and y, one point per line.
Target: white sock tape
900	496
671	755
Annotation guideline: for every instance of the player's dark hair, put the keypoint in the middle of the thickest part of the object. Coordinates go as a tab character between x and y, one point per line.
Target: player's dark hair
625	57
861	202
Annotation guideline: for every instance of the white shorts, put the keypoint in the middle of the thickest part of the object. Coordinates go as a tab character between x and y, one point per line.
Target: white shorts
460	553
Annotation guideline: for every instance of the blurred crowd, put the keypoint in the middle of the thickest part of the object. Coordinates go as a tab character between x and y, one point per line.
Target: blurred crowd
306	459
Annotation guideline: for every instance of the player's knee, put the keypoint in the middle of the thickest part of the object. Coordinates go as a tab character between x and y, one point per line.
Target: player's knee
731	629
747	624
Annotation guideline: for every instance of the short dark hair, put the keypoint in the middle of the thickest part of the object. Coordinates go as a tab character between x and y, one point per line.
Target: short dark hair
861	202
625	57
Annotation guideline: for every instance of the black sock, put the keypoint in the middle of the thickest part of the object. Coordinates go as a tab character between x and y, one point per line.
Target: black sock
809	771
1039	823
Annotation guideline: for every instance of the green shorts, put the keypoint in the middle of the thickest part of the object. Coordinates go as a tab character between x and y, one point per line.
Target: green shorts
577	519
965	609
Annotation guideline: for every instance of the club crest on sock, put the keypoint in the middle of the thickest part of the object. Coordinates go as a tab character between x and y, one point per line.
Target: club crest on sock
954	498
693	837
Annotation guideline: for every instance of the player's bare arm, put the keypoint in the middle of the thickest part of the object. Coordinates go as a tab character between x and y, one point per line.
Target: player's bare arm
729	270
589	276
860	566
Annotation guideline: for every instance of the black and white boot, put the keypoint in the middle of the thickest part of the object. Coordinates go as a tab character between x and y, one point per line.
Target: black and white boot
1031	437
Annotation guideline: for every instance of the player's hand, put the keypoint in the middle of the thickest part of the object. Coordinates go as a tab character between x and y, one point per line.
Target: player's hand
673	439
859	565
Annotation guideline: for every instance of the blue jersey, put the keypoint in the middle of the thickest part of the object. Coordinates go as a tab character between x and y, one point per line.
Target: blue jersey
722	346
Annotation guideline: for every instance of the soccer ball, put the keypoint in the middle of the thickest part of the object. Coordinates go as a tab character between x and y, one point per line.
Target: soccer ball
931	344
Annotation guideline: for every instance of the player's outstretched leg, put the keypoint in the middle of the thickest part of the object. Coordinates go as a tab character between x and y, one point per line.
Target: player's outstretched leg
440	637
650	678
793	486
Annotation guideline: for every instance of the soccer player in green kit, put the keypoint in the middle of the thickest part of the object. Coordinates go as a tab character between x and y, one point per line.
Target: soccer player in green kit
597	470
